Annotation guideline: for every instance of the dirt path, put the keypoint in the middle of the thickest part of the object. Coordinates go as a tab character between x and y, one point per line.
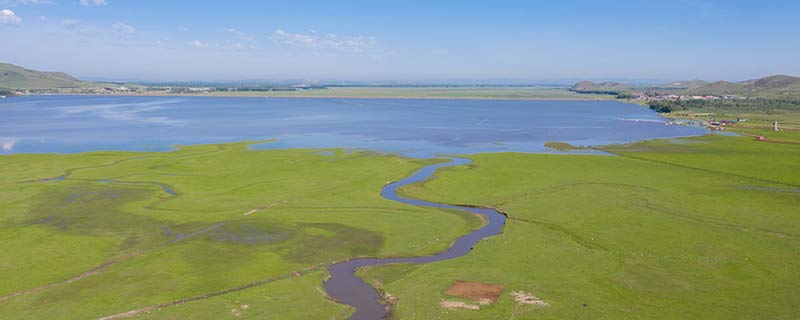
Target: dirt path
253	284
108	264
264	207
82	276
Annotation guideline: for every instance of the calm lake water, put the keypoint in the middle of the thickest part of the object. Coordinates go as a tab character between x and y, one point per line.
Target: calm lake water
414	127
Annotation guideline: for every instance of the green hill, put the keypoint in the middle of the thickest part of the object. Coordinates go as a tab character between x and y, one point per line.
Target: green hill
772	87
617	87
690	84
16	77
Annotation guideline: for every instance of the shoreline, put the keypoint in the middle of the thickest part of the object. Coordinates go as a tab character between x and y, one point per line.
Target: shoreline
330	97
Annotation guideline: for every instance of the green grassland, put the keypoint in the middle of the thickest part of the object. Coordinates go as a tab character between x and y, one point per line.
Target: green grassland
759	113
691	228
759	123
562	146
704	227
531	93
112	237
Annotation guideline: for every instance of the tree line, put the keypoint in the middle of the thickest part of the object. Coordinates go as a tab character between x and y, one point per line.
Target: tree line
738	105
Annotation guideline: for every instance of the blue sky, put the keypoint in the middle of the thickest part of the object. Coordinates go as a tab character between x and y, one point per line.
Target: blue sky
403	40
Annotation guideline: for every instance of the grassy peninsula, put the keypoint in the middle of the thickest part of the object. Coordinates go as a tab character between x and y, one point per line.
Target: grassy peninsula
703	227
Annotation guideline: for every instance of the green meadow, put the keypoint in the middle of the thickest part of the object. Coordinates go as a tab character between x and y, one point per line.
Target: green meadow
124	231
704	227
694	228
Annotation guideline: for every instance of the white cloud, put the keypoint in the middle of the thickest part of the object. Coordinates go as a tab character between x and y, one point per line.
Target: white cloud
97	3
69	23
235	31
351	44
8	17
8	143
124	28
295	39
235	45
197	44
24	2
355	44
242	36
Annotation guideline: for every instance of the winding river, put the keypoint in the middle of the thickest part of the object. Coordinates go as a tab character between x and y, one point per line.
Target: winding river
345	287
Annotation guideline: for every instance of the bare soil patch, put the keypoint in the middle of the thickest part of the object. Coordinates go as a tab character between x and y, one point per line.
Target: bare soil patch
483	293
522	297
450	305
263	208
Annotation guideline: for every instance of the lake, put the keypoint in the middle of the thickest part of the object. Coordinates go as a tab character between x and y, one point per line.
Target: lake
413	127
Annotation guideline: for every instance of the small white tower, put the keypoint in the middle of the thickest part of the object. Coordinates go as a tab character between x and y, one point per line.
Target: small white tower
774	125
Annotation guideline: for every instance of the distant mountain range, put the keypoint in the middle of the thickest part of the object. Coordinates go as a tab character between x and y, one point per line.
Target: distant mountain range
772	87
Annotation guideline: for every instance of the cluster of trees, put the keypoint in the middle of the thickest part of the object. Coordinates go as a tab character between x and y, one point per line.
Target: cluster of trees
625	95
617	94
5	92
598	91
749	105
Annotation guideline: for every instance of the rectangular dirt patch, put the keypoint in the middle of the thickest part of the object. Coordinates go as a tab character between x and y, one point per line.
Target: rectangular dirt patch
483	293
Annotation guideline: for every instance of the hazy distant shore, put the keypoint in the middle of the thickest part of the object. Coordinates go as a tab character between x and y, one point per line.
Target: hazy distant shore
489	93
331	97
